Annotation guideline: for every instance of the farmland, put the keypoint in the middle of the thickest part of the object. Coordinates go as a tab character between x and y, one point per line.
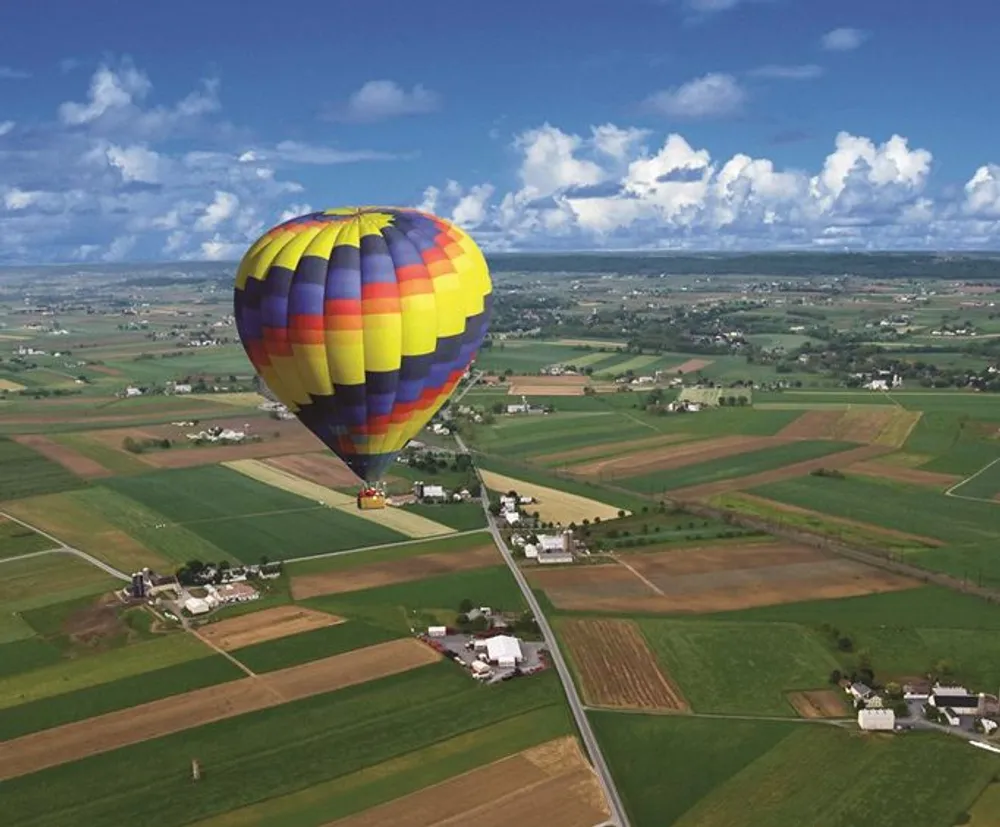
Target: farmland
551	504
270	624
615	666
763	774
27	473
17	539
711	579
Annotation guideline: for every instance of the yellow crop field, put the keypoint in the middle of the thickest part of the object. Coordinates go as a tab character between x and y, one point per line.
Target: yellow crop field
551	504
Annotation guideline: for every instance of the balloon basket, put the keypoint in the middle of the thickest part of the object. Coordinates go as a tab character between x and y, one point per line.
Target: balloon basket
371	497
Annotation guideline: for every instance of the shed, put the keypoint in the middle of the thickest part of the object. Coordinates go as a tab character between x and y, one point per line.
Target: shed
504	651
437	631
877	719
196	605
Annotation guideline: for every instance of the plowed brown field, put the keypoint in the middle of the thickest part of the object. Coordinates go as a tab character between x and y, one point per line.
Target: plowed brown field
868	424
605	448
551	785
617	667
72	742
321	469
821	703
714	579
68	458
270	624
393	571
904	474
691	366
547	385
843	459
674	456
812	425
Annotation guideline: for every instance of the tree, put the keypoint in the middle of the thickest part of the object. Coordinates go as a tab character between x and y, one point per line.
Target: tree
845	644
621	513
836	677
465	606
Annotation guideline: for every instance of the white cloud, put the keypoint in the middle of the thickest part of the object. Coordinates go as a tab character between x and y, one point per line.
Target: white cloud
17	199
218	249
864	194
295	152
222	208
109	89
136	163
773	71
6	127
294	211
9	73
712	96
843	40
119	248
379	100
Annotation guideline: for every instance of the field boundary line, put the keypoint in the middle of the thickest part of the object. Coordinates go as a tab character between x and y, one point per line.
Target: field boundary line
70	549
31	554
951	491
642	577
409	542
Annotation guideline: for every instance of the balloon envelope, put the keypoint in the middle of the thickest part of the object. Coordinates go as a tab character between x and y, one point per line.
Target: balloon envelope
362	321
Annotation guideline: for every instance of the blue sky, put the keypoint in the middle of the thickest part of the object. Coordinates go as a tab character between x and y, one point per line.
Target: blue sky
134	131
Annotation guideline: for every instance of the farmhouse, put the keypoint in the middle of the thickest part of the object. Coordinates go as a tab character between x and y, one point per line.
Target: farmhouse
431	493
876	719
860	691
503	650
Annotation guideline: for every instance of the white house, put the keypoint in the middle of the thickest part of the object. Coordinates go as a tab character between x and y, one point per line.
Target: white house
512	517
197	606
433	492
860	691
437	631
503	650
876	719
531	551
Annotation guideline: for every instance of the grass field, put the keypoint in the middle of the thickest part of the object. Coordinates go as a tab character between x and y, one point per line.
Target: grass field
113	695
313	645
742	668
986	811
361	790
27	473
72	675
339	562
527	436
247	519
744	774
118	462
381	720
859	774
457	516
425	602
49	578
732	467
16	539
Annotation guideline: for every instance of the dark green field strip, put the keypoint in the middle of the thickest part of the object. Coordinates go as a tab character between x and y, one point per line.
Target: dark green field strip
459	516
733	467
312	645
702	754
273	752
120	694
401	776
25	655
26	473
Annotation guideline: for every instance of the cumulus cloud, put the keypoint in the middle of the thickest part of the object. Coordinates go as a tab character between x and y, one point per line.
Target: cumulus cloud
714	95
864	194
10	73
118	174
379	100
772	71
843	40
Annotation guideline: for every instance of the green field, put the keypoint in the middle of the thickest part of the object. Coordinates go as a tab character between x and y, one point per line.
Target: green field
383	555
125	692
422	603
284	749
741	668
663	765
403	775
119	462
732	467
459	516
27	473
984	485
527	436
72	675
744	774
16	540
905	633
312	645
49	578
828	778
969	528
248	519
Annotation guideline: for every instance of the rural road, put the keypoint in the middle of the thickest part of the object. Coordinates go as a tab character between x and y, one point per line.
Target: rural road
63	547
611	795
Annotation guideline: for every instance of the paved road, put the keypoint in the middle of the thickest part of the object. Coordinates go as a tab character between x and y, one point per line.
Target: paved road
618	814
63	547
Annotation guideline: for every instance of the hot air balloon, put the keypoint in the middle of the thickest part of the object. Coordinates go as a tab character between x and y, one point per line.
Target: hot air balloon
361	321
